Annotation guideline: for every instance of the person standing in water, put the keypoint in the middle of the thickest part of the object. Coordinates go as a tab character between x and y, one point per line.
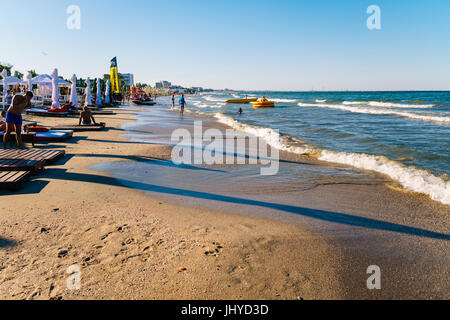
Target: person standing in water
173	101
182	103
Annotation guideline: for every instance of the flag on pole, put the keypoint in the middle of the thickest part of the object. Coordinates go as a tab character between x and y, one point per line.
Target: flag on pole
114	76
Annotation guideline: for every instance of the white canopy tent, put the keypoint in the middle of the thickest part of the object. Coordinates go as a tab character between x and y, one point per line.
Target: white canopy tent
88	100
98	101
73	92
55	90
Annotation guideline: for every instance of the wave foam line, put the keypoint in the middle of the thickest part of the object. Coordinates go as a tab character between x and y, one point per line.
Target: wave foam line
388	104
403	114
272	137
411	178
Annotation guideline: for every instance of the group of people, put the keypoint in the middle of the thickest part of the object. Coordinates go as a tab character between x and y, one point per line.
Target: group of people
182	102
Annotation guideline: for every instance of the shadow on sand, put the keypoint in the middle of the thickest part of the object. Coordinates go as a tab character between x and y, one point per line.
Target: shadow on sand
328	216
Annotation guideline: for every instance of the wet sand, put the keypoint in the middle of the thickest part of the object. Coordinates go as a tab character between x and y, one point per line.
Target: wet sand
299	236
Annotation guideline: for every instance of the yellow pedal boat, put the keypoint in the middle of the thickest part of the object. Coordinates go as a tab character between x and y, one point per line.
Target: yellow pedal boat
263	103
242	101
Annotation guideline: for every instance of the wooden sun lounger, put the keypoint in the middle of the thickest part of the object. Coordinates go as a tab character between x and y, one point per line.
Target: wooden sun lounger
12	180
13	160
77	128
94	112
44	157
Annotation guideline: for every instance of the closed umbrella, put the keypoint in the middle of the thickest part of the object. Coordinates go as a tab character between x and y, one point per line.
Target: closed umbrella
30	85
88	93
73	92
98	101
5	87
55	90
108	92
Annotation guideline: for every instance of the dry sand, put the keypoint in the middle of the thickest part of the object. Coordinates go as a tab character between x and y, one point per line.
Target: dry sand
130	245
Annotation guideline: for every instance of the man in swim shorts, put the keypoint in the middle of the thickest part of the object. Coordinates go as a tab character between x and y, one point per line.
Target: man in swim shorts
14	117
86	117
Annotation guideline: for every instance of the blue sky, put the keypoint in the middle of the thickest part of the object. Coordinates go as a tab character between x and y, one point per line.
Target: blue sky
247	44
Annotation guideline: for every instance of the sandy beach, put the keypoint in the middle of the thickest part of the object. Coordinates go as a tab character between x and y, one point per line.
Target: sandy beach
315	242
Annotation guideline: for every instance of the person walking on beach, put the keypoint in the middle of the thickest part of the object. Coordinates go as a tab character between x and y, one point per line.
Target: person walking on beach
182	103
173	101
14	117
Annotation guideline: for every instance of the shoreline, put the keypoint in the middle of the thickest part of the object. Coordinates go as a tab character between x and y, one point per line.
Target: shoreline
293	254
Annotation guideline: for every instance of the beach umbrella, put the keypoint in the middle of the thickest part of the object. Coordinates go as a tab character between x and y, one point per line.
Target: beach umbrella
88	93
108	92
5	87
98	101
30	85
73	92
55	89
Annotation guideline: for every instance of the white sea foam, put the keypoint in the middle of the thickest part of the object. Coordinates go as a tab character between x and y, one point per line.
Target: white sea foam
213	99
321	100
272	137
405	114
399	105
412	179
284	100
350	103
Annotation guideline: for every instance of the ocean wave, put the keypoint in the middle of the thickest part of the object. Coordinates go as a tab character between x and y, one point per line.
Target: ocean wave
272	137
388	104
411	178
212	106
284	100
214	99
404	114
399	105
321	100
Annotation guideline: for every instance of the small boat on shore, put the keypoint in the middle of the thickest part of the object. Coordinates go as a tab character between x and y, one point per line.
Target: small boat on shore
263	103
242	101
140	102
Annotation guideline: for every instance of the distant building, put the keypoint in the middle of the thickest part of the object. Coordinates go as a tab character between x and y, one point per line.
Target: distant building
158	85
128	78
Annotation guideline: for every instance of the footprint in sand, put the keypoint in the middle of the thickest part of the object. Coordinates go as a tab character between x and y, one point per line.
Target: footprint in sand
214	251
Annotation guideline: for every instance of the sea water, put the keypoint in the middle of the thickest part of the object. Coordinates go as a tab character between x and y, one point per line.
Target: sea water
404	135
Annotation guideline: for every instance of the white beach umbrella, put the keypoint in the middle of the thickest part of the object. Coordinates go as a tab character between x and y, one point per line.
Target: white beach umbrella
73	91
5	87
55	89
98	101
30	85
108	92
88	93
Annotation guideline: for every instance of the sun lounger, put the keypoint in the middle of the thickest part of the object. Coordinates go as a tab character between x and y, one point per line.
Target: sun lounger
46	113
15	160
41	156
54	136
82	128
13	180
